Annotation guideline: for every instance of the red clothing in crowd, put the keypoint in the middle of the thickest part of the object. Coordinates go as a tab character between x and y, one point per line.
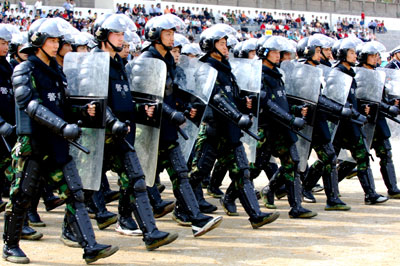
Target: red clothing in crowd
262	27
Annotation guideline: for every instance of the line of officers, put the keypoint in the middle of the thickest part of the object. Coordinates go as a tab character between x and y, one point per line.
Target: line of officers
35	116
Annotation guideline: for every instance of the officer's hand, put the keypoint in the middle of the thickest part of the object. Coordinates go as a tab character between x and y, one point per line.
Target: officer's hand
346	112
304	111
149	110
192	113
245	122
91	109
120	129
367	109
298	123
249	103
6	129
393	110
72	132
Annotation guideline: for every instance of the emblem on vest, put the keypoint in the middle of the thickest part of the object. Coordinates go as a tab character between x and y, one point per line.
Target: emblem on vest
4	90
52	96
228	88
120	88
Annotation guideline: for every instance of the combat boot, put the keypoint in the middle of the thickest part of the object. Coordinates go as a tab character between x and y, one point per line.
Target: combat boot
126	225
389	177
13	223
368	185
160	207
205	207
296	211
228	201
310	180
333	203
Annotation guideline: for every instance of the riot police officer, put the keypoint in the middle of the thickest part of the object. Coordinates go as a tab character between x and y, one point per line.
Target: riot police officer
274	110
160	32
119	156
42	146
220	133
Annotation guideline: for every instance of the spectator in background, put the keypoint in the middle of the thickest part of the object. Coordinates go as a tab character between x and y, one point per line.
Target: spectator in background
173	10
152	11
167	10
6	5
158	10
372	26
22	5
38	6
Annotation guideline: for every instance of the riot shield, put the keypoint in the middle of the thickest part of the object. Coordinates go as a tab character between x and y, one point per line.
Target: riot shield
337	88
392	82
248	77
325	70
87	76
302	84
196	81
370	84
147	81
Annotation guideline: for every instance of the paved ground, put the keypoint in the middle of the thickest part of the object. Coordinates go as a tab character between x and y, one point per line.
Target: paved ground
367	235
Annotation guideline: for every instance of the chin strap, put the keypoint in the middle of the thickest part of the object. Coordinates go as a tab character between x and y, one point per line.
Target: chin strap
115	48
274	64
48	56
218	52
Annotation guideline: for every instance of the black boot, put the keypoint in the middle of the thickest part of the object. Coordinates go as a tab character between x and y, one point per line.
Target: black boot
50	200
67	236
333	203
201	223
296	211
152	237
314	173
33	215
160	207
250	204
228	201
206	181
367	183
345	169
13	223
180	216
389	177
28	233
216	179
82	228
267	193
126	225
205	207
109	195
103	217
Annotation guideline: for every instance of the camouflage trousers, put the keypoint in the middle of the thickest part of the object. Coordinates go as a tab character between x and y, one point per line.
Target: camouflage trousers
225	154
324	162
276	146
358	152
21	153
382	149
114	161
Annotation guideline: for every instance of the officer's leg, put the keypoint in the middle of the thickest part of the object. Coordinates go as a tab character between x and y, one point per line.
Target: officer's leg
14	219
204	159
327	156
290	160
109	195
152	237
160	207
383	150
177	169
33	215
364	173
103	217
216	179
50	200
239	172
314	173
78	218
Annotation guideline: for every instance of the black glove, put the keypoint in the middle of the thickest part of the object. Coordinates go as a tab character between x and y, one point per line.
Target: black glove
245	122
362	118
120	129
6	129
298	123
72	132
393	110
346	112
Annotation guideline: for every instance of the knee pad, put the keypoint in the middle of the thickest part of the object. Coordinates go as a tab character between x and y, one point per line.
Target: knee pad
241	158
132	165
330	152
294	154
31	178
140	185
207	157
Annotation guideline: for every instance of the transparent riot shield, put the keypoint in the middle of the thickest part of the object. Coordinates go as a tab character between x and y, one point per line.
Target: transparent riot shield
325	70
302	84
248	77
147	81
87	76
370	85
337	88
196	81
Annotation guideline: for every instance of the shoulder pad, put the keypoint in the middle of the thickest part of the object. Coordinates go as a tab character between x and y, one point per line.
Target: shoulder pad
21	75
283	74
